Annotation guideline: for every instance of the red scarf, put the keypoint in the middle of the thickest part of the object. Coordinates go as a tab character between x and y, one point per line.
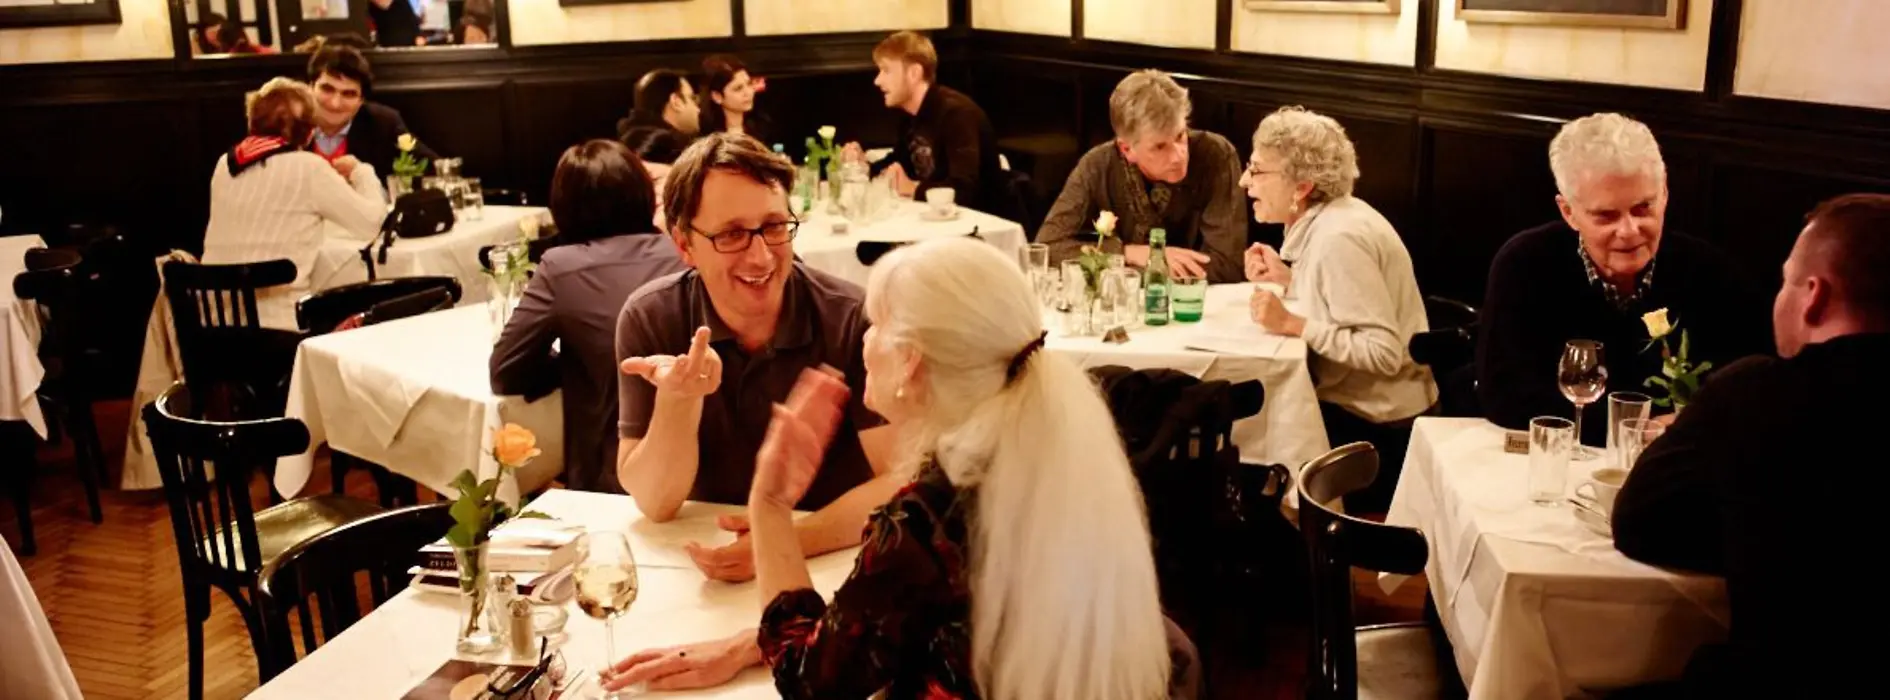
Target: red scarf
254	150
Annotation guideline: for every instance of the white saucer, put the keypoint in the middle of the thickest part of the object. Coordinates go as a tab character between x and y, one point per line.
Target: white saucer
1595	522
927	215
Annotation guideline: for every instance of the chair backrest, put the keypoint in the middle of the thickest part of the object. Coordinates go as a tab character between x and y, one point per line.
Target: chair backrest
53	279
321	311
870	252
186	443
215	315
424	301
1337	543
534	249
504	197
324	568
1452	340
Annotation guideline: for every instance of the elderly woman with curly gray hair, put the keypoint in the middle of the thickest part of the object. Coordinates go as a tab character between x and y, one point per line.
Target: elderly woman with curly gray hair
1347	285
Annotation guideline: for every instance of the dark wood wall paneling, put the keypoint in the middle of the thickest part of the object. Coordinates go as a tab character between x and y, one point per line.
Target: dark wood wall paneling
1459	161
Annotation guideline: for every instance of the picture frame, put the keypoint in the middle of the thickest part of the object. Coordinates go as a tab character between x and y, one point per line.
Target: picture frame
59	14
1351	7
1625	14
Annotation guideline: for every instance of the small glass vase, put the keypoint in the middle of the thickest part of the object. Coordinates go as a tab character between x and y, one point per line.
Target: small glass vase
399	185
1085	318
476	634
505	294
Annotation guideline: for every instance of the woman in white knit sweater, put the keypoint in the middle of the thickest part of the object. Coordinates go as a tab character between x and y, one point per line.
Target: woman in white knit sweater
271	199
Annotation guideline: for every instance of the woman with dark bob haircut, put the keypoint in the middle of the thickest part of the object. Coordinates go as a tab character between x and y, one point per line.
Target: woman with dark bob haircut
604	203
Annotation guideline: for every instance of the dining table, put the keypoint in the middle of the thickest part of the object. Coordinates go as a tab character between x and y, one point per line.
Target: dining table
404	640
453	253
1224	345
20	368
1536	601
831	242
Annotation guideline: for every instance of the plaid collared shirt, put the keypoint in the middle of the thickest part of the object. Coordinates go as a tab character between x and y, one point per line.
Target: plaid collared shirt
1620	299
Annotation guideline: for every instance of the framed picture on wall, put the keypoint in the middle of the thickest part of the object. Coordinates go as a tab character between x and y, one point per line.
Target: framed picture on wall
1636	14
56	13
1357	7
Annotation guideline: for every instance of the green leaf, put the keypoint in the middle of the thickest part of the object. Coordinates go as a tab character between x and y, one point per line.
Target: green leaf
467	512
1656	381
464	482
532	514
1663	401
1684	353
1703	367
461	536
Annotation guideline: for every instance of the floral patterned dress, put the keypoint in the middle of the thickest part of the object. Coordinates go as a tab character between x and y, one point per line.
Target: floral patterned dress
901	622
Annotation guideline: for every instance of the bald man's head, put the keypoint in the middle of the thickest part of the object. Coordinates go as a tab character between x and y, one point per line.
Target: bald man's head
1835	281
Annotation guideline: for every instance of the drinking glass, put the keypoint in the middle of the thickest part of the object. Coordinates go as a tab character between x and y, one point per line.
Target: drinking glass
1635	435
606	577
474	198
1187	296
1075	287
1127	285
1117	261
1582	378
1550	441
1623	405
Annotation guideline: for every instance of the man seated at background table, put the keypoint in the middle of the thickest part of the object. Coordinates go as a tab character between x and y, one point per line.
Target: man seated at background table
663	119
346	122
1157	173
602	201
1748	481
707	353
1591	276
945	139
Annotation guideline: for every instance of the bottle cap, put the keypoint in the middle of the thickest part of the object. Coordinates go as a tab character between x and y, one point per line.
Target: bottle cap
1157	236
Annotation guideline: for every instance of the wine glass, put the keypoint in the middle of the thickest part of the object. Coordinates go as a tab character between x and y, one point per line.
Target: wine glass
1582	378
606	577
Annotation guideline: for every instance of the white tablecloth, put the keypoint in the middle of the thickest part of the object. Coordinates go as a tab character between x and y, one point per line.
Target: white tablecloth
32	666
1225	345
836	253
452	254
413	395
404	641
19	339
1536	604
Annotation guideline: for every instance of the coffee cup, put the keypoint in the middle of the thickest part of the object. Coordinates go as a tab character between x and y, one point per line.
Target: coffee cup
1274	287
942	200
1603	485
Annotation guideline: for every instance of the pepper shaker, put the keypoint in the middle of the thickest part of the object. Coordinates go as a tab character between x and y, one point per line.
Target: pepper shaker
520	631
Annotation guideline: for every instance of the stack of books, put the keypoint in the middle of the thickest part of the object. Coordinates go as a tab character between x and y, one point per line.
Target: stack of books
526	548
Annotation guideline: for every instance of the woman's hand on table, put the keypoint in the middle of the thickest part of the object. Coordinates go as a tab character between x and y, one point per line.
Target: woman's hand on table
1267	310
700	665
692	376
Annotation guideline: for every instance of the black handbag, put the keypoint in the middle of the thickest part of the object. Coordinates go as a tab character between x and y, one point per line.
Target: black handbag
415	215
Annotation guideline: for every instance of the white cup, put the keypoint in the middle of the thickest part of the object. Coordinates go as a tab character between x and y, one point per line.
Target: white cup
1603	485
942	200
1273	287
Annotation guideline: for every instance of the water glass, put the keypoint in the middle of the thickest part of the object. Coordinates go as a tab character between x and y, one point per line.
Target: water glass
473	199
1075	287
1623	405
1117	261
1126	284
1635	434
1550	441
1187	296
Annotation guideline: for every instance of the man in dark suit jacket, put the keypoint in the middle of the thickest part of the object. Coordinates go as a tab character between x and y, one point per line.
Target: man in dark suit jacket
346	123
1755	479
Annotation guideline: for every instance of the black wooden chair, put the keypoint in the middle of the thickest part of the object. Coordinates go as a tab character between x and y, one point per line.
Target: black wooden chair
228	356
221	541
322	570
1450	349
56	281
1399	660
534	249
870	252
509	198
322	311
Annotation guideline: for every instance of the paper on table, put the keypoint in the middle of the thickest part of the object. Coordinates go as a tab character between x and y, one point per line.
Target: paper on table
1236	340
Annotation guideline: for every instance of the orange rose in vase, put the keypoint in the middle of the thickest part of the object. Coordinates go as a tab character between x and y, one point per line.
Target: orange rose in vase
514	445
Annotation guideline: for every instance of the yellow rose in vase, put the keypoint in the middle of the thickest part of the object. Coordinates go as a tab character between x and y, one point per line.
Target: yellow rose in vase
1657	324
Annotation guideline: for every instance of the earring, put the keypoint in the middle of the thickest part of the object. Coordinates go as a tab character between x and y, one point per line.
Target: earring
1293	208
899	393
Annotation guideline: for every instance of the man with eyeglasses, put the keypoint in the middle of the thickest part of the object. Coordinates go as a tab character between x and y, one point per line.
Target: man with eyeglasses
707	353
347	124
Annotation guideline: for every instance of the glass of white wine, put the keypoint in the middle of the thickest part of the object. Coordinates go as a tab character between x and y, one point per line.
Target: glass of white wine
1583	378
606	577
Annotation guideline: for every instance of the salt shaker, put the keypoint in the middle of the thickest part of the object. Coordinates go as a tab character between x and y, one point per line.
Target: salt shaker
520	633
504	591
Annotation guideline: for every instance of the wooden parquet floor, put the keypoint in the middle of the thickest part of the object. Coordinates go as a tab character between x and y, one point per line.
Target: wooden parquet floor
115	598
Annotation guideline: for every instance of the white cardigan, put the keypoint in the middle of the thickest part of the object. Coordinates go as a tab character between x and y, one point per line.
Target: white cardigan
1362	306
281	208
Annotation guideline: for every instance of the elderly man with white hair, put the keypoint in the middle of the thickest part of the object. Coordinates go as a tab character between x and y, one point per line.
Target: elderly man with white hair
1597	272
1157	173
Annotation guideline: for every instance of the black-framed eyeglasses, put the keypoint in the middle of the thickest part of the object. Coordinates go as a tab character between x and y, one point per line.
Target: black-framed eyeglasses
738	240
1254	170
516	683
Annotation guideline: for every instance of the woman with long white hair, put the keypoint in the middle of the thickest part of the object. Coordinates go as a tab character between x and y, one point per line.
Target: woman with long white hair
1016	564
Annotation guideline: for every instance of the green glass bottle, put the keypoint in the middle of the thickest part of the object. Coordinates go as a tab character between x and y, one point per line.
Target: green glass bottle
1155	279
